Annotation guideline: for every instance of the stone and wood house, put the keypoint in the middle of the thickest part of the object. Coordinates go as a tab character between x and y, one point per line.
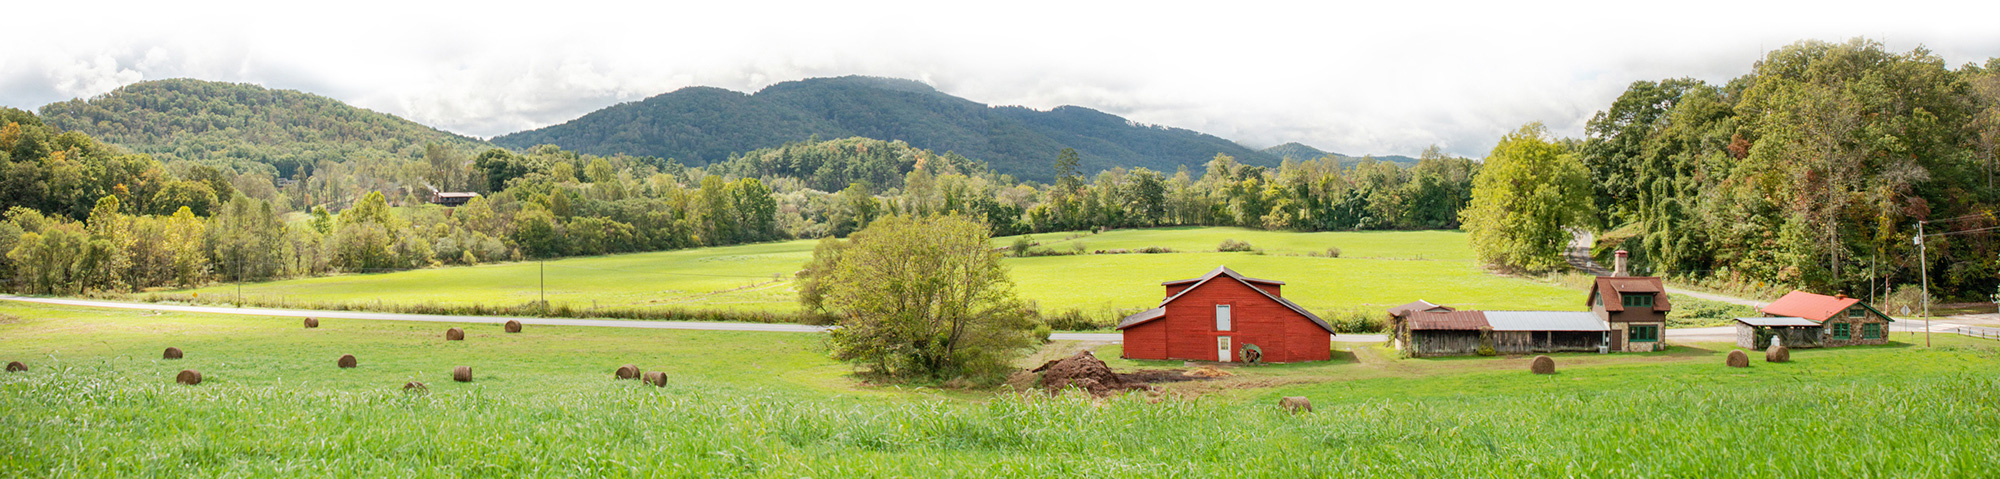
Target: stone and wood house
1806	320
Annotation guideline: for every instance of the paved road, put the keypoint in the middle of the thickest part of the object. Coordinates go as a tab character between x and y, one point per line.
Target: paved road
602	323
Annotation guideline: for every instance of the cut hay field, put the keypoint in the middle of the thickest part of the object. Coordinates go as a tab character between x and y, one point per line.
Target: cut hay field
98	401
1375	270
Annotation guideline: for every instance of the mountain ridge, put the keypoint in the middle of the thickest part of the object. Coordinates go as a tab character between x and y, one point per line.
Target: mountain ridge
1014	140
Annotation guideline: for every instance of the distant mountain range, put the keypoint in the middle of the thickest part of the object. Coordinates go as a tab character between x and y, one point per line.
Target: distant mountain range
700	125
1302	152
245	125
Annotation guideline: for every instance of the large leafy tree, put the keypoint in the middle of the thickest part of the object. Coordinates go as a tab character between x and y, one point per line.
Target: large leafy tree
1531	191
919	298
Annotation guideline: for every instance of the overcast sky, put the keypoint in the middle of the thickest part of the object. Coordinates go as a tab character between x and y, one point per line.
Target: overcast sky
1384	77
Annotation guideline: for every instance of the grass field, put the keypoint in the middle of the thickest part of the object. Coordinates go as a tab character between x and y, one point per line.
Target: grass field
1375	270
99	402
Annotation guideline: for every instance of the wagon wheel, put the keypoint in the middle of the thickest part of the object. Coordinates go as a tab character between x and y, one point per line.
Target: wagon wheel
1252	354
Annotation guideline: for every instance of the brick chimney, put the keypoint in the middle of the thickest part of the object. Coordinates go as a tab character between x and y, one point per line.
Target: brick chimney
1839	295
1618	265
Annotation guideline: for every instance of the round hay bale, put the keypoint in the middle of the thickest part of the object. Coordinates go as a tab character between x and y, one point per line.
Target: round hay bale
189	377
172	353
1739	360
1778	354
1543	365
311	323
16	366
657	378
454	334
416	386
347	361
462	374
628	372
513	326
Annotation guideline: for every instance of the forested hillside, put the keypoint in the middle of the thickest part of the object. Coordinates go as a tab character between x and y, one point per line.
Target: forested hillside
241	126
1812	171
698	126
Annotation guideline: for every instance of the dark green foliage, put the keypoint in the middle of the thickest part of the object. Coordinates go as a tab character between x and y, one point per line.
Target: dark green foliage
1811	172
700	125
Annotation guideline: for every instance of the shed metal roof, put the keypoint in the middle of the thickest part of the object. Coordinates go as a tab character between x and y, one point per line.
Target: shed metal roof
1447	321
1545	321
1782	322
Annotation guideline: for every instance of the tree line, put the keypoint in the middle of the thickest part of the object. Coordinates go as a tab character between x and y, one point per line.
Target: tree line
1811	171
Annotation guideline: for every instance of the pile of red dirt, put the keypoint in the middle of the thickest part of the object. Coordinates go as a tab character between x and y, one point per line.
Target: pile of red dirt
1084	371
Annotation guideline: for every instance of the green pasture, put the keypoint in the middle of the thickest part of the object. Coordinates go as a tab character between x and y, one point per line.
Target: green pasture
1375	270
98	402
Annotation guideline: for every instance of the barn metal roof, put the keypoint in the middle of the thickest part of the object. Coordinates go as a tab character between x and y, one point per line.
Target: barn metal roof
1142	316
1545	321
1781	321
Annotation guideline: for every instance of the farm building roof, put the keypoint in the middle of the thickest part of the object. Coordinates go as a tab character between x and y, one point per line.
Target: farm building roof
1143	316
1418	305
1545	321
1780	322
458	194
1448	321
1612	286
1129	321
1816	307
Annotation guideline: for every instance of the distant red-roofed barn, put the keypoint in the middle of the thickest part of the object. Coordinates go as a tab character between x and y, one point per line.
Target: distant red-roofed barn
1225	316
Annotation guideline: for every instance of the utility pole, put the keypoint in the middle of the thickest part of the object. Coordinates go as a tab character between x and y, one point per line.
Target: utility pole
1924	266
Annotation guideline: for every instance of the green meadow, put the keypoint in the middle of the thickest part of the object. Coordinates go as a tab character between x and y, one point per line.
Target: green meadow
1375	270
98	402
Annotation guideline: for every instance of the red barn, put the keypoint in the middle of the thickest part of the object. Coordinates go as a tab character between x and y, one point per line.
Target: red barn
1224	316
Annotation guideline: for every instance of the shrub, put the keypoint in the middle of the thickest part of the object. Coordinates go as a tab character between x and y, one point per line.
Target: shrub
1021	246
1356	320
1154	250
1075	320
1333	252
1233	245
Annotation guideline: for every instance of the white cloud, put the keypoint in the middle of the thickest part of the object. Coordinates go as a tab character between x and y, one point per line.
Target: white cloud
1383	77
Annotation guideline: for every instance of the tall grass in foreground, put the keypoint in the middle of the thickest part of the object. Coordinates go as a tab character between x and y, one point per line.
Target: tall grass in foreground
72	422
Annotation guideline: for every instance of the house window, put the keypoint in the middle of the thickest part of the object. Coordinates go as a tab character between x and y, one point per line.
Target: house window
1857	312
1638	300
1840	330
1871	331
1222	317
1644	334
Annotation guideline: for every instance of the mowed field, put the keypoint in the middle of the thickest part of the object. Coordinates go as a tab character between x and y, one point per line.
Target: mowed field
1375	270
98	401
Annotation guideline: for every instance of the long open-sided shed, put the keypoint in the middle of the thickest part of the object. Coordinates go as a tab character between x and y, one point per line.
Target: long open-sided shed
1457	333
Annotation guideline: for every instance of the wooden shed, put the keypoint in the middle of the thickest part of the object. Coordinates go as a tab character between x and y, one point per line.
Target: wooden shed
1225	316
